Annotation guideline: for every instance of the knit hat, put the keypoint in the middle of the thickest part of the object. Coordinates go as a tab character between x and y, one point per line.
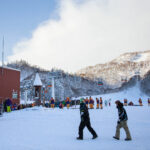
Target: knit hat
81	100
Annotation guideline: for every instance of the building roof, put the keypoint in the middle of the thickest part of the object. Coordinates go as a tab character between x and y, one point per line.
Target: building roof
5	67
37	81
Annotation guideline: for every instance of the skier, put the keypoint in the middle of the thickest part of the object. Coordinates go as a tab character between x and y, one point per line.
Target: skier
97	101
122	122
52	102
63	104
85	121
148	102
125	102
140	102
109	102
105	103
91	102
60	105
68	102
101	103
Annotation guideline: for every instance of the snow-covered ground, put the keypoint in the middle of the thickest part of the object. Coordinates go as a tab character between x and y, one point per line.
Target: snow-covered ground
41	128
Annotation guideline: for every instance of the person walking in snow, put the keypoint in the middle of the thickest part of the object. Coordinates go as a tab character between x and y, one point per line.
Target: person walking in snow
85	121
122	122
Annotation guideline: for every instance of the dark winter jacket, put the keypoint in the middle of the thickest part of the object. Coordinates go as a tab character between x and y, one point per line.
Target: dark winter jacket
122	113
8	102
84	113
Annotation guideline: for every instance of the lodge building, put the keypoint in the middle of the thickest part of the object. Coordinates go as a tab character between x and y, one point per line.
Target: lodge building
9	84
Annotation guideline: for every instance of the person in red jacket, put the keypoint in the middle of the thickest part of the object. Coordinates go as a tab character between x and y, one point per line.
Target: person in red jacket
87	102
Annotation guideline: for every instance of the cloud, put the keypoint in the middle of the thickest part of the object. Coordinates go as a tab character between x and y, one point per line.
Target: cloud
87	33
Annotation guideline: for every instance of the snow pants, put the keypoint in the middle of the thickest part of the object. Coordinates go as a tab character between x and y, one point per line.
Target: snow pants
141	104
52	105
68	105
87	105
88	125
101	106
97	106
125	104
122	124
91	106
8	109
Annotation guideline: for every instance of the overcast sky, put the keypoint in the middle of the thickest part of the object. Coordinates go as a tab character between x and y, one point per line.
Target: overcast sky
72	34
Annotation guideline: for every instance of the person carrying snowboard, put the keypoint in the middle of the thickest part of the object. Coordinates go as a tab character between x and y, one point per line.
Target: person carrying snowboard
122	122
85	121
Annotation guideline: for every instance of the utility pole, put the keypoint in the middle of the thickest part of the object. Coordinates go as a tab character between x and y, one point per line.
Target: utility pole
53	88
2	55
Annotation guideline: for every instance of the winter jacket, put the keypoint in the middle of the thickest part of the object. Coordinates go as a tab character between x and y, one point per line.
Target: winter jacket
84	113
52	101
122	114
8	102
97	101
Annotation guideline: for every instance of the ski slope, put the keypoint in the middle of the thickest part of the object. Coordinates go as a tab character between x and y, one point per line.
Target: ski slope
131	94
41	128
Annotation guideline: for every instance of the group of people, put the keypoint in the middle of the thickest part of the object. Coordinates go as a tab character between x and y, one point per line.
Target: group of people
61	105
85	121
131	103
99	103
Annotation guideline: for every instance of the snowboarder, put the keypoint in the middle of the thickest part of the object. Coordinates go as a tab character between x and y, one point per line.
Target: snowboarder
97	101
122	122
85	121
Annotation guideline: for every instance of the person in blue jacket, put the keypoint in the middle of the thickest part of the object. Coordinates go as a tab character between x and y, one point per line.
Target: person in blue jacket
8	105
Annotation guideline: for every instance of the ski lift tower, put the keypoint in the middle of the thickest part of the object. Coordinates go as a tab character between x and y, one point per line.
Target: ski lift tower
52	77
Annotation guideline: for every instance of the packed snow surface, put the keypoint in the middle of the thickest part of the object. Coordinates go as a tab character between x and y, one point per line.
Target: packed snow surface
40	128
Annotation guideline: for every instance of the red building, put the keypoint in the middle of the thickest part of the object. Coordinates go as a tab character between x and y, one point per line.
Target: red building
9	84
